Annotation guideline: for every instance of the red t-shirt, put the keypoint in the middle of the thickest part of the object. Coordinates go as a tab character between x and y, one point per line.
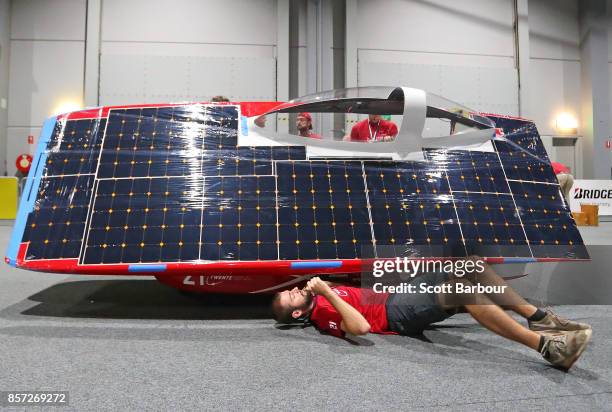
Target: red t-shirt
370	304
559	168
365	130
312	135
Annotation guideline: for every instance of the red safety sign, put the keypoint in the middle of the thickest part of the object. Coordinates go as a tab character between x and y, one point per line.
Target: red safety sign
30	139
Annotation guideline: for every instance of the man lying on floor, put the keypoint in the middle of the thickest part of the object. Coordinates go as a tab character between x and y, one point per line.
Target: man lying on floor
342	309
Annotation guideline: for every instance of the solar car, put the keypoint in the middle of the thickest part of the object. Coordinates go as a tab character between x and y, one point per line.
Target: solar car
229	198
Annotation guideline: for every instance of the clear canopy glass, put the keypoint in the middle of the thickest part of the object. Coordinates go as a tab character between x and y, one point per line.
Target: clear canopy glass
368	114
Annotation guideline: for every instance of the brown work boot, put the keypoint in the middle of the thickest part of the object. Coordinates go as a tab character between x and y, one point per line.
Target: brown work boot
553	322
563	349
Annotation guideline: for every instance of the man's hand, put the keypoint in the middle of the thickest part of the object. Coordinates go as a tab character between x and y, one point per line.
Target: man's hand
317	287
353	322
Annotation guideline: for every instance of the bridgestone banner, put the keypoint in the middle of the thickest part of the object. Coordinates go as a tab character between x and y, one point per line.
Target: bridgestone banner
592	192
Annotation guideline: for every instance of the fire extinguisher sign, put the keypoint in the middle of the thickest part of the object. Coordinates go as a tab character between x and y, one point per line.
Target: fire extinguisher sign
30	139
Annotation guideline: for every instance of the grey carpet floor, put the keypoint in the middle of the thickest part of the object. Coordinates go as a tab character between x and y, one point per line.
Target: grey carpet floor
134	344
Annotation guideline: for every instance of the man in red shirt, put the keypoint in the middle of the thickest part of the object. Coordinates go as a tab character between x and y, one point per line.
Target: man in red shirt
338	310
373	129
564	176
304	126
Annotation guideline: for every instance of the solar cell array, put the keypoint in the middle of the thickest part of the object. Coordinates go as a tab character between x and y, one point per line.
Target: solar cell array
322	210
411	205
55	227
74	147
510	211
170	184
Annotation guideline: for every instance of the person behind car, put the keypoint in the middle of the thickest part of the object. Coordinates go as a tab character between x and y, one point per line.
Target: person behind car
373	129
303	123
565	178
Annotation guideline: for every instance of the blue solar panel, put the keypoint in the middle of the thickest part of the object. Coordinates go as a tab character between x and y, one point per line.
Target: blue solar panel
411	205
490	224
145	220
523	134
231	212
522	166
74	149
522	152
221	127
239	218
550	229
56	225
173	185
322	210
471	171
56	134
153	142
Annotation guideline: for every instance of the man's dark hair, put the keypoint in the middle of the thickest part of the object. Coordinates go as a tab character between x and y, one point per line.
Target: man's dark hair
281	315
219	99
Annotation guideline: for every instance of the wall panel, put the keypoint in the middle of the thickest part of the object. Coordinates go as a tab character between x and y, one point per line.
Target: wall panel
161	73
190	21
553	29
554	72
463	50
555	88
437	26
48	19
43	76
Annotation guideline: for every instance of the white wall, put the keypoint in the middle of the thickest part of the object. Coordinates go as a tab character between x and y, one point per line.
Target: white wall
479	27
190	51
5	36
46	66
190	21
609	19
150	51
554	62
463	49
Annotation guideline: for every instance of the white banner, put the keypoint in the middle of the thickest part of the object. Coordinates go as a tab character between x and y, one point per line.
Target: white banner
592	192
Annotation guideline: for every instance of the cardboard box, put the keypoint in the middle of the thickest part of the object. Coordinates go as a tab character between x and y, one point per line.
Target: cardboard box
592	214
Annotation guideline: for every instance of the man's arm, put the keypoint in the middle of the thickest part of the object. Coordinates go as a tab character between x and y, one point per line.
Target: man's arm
355	132
393	131
334	284
353	322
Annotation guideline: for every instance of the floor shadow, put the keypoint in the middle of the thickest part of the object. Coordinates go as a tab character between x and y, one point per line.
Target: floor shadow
141	299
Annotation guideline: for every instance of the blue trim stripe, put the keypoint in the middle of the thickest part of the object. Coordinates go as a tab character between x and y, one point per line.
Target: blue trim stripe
316	265
519	260
30	191
244	125
146	268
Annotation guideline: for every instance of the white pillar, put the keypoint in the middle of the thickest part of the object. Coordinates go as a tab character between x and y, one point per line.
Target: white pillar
326	45
282	60
523	56
5	41
92	53
350	44
297	49
282	51
595	84
312	44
